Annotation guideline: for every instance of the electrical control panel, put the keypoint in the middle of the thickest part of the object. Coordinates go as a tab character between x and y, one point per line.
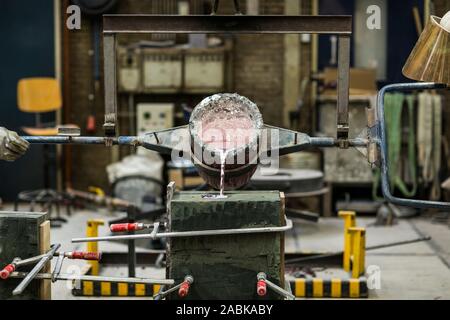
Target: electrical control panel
154	116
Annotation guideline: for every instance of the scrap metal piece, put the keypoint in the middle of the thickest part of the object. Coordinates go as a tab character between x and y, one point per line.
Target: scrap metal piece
225	24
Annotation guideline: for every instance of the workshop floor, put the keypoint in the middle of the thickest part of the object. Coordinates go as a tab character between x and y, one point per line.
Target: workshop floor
414	271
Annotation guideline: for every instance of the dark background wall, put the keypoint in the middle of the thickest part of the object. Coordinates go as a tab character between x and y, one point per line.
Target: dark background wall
27	50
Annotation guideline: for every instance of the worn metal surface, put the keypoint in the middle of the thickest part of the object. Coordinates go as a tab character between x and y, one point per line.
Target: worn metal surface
65	276
142	23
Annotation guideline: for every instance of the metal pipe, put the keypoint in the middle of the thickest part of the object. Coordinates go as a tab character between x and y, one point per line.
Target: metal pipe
65	276
187	233
122	140
37	268
324	142
382	142
224	24
340	253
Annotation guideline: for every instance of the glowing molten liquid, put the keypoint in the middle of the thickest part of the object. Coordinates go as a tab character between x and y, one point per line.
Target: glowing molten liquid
226	134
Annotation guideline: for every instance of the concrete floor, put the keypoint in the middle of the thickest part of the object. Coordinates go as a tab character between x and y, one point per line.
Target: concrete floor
413	271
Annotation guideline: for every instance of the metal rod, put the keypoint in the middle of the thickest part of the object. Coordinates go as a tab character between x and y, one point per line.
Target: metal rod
110	83
343	83
237	24
37	268
188	233
64	276
336	254
122	140
131	213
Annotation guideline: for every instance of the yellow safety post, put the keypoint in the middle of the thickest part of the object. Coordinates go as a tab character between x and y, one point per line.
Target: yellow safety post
358	236
92	231
349	222
98	191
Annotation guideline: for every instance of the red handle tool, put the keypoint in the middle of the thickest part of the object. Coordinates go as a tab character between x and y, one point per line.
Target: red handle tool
261	288
122	227
184	287
96	256
10	268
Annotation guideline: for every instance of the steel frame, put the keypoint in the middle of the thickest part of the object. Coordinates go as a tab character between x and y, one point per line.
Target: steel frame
227	24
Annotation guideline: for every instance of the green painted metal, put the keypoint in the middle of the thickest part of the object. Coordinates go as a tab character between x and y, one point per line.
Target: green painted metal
19	237
225	267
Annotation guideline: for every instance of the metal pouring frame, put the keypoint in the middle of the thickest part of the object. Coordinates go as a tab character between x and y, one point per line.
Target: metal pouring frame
341	26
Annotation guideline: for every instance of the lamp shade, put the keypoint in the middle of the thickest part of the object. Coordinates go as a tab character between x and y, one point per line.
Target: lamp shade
430	58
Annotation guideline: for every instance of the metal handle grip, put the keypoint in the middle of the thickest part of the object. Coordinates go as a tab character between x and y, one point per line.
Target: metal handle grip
80	255
123	227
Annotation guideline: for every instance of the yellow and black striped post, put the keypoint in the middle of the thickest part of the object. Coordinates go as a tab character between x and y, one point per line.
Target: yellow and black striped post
114	289
330	288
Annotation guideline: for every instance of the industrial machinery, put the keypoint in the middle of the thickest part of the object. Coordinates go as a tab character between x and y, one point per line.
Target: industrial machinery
239	235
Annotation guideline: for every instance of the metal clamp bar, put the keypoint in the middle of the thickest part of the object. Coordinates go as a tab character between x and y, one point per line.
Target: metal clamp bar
343	83
38	267
58	266
65	276
382	143
188	233
188	280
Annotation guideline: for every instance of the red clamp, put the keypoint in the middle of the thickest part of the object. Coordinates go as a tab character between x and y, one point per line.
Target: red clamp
123	227
96	256
184	287
10	268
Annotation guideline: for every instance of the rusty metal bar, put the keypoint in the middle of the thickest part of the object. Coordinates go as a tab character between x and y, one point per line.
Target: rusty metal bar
109	55
241	24
343	83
